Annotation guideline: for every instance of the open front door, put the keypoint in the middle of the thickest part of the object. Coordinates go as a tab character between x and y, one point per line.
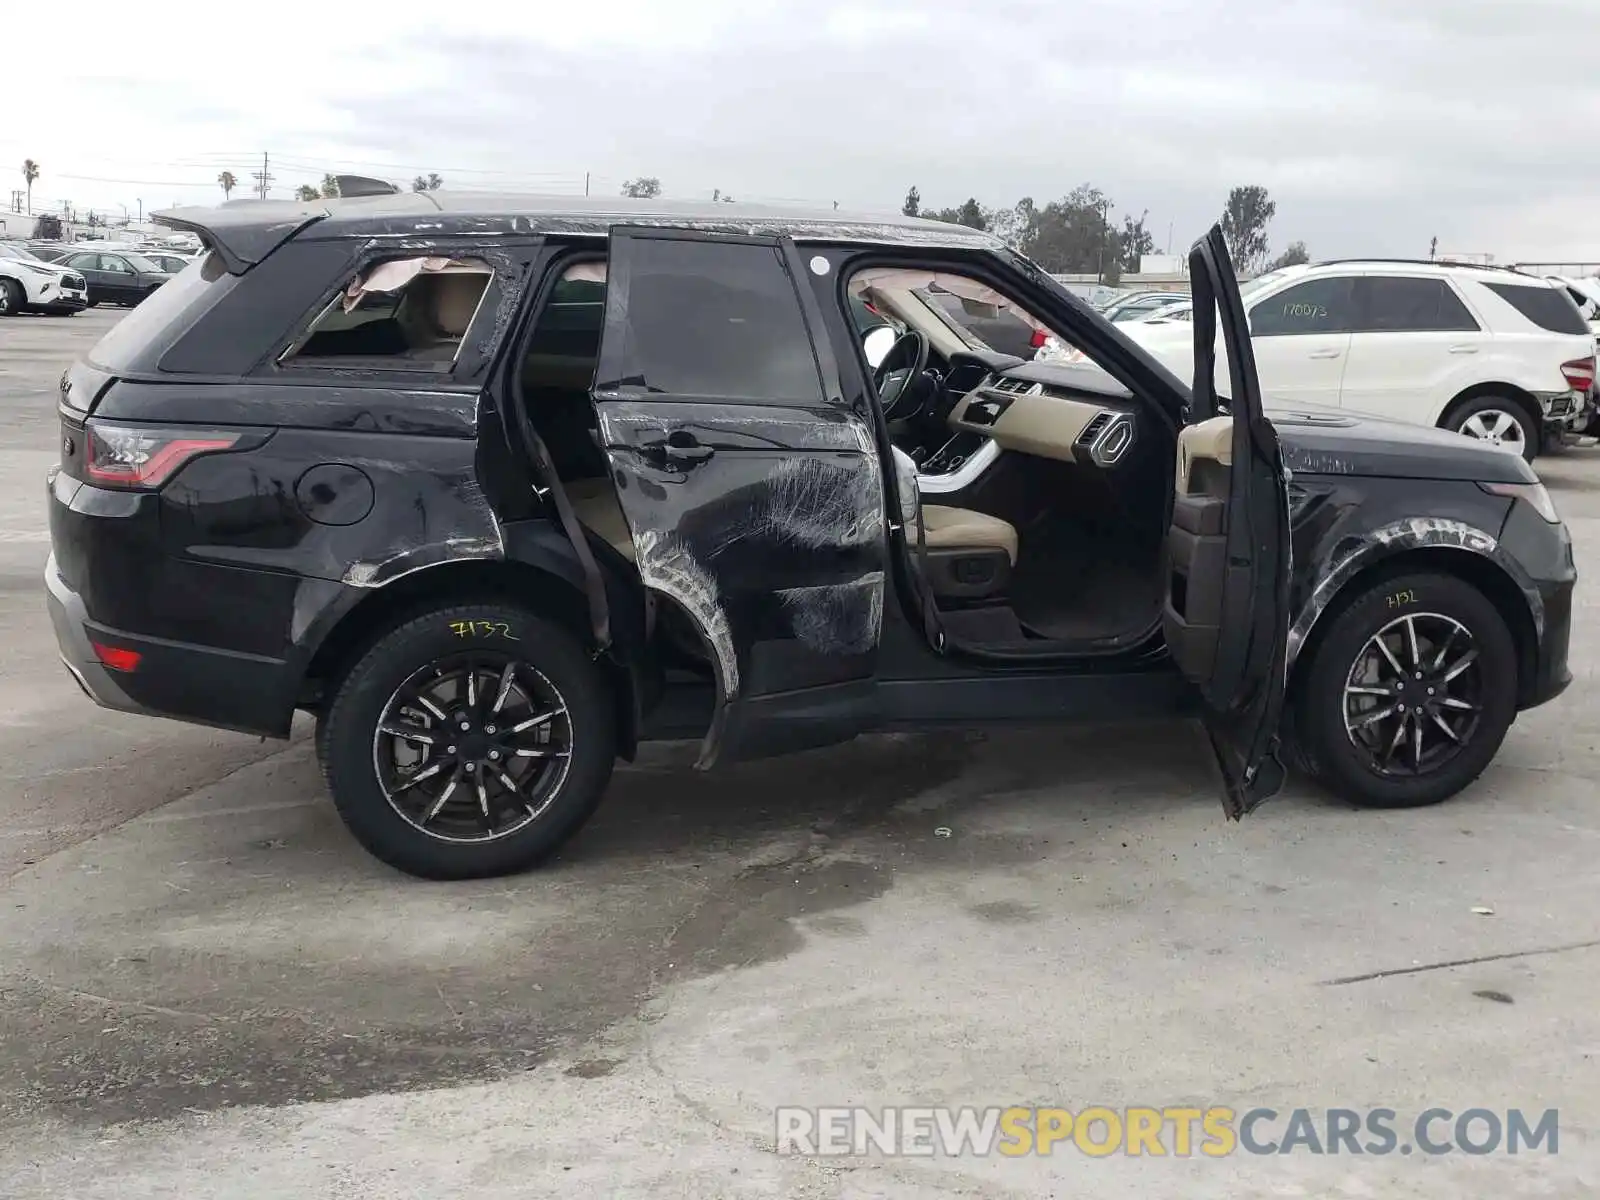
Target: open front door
752	492
1227	606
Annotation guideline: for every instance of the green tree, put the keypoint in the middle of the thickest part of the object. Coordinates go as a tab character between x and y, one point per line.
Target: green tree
1244	224
30	172
1070	235
227	182
913	204
427	183
306	192
330	186
646	187
1292	257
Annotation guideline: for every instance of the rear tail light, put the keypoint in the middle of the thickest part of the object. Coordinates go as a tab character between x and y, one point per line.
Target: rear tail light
122	456
1039	338
1579	373
117	658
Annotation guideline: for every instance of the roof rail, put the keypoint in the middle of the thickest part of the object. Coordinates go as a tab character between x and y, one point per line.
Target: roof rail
1417	262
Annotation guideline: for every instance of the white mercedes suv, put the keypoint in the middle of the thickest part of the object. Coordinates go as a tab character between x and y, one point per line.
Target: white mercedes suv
29	284
1488	352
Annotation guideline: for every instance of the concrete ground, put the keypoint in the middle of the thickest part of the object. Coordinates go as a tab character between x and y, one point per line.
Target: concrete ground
207	989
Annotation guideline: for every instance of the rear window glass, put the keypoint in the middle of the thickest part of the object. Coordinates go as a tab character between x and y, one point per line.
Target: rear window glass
174	304
1397	303
1547	307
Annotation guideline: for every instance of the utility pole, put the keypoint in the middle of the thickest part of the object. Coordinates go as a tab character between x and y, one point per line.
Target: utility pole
586	183
141	212
262	177
1433	249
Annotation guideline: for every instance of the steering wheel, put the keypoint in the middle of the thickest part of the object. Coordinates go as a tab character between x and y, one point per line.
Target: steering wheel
893	380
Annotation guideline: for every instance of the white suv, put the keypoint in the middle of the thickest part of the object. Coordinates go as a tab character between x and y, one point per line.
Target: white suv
1488	352
27	283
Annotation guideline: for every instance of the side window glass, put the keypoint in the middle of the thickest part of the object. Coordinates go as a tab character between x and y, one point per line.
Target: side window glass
1393	304
414	310
715	319
1315	306
112	263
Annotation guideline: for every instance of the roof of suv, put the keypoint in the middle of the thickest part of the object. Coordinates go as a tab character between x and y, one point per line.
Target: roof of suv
246	231
1419	266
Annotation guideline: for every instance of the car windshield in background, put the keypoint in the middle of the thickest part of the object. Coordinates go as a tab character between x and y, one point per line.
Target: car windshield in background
1547	307
1252	286
18	252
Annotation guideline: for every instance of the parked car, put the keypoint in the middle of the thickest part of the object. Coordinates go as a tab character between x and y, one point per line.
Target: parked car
1178	310
117	277
559	476
29	284
1488	352
1140	304
166	261
49	251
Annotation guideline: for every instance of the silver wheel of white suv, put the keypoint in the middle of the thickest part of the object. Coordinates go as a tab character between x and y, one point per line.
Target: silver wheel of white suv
1499	422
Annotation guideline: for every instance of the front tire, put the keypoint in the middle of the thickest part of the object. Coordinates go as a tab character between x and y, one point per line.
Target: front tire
470	741
1410	693
1499	420
12	297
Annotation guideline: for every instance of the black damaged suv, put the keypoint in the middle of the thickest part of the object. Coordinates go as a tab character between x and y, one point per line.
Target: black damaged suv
498	487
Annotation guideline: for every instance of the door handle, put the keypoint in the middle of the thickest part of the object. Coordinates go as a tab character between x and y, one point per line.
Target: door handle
1324	354
679	446
1463	349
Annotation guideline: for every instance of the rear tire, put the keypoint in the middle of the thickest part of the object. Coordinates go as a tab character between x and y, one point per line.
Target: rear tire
12	298
1344	738
388	789
1498	419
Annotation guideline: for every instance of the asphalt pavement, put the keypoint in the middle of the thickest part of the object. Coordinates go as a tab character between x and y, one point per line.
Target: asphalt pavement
206	988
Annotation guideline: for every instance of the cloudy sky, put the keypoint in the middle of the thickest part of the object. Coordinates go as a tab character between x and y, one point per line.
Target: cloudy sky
1376	124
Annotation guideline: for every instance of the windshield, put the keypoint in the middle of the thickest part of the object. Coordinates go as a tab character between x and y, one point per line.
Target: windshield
1259	282
17	252
140	263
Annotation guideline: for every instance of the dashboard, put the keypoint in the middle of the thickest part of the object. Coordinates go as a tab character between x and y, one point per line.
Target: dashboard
1070	412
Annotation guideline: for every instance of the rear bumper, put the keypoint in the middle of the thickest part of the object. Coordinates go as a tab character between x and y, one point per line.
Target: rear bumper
196	684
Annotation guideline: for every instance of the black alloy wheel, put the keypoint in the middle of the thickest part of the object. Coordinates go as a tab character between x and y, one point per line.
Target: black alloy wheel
1409	692
470	740
472	747
1414	694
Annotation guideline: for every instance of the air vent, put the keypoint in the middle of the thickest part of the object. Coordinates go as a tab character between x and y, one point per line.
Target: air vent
1092	430
1113	441
1017	387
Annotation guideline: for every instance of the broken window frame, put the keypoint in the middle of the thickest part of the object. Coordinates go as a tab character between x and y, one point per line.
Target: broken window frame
289	357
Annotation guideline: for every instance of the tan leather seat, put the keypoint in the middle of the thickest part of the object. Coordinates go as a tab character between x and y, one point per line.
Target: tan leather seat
594	502
963	529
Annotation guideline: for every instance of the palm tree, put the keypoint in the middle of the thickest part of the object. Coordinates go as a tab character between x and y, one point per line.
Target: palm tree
30	172
228	183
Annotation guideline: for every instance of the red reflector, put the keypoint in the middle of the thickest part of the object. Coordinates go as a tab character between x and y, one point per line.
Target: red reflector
1579	374
1039	338
117	659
